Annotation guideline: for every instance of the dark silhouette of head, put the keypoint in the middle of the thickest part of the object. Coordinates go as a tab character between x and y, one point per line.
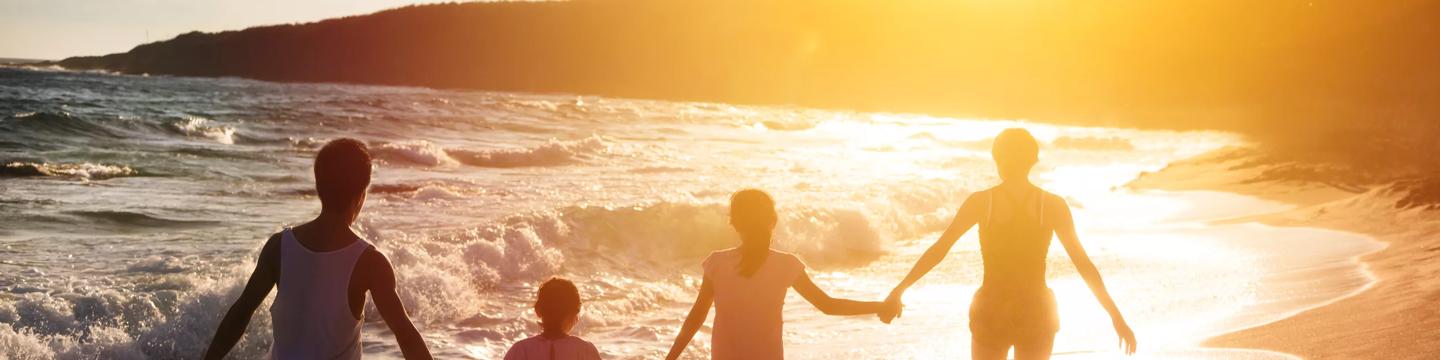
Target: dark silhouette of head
1015	152
752	214
558	305
342	175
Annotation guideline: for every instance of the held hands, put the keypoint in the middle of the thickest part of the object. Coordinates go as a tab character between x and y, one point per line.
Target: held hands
1127	336
891	309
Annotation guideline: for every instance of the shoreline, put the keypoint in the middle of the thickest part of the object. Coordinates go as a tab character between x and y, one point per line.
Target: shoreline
1363	323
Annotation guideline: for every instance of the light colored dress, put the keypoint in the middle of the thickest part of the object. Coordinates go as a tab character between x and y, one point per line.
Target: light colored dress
539	347
748	322
311	318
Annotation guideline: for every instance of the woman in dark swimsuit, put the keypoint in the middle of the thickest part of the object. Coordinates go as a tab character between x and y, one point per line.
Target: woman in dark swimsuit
1014	307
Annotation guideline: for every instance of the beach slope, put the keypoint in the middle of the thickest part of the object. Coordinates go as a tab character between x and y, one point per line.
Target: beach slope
1396	317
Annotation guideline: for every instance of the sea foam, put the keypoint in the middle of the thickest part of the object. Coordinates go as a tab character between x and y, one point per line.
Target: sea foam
85	170
202	127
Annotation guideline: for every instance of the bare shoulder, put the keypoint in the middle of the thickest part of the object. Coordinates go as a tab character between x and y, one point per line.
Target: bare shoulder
271	249
977	200
375	269
267	264
978	195
1056	207
274	241
373	259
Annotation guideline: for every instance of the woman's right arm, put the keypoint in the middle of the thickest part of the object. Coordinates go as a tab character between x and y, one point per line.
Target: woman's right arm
1065	230
965	218
697	316
256	289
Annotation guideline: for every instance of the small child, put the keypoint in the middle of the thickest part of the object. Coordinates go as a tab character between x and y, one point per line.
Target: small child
558	305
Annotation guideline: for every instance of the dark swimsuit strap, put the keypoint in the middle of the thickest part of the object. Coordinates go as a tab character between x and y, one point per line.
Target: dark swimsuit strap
990	205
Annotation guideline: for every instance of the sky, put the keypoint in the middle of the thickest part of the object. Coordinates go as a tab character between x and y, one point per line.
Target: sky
55	29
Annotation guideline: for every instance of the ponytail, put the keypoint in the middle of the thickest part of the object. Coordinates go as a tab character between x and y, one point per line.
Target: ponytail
752	213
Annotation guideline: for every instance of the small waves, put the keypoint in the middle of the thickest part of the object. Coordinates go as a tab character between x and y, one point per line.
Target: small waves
193	126
529	247
64	126
414	152
448	276
83	171
552	153
786	125
659	169
136	219
1112	143
51	125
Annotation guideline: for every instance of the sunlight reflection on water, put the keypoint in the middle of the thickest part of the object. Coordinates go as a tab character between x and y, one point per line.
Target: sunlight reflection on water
1177	276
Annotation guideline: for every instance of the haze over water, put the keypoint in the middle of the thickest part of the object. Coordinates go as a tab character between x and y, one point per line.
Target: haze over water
132	208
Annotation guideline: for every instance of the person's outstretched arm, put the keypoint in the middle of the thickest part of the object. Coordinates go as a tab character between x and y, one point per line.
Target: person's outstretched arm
256	289
387	302
965	218
1065	229
830	305
697	316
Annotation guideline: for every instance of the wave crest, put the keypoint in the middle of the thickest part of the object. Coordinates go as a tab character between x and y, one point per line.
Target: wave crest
552	153
414	152
85	171
195	126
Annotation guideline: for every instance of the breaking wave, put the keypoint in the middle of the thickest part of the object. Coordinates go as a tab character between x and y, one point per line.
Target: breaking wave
552	153
85	171
203	128
63	126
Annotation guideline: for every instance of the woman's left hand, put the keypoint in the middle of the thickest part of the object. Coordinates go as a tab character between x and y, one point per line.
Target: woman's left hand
1127	337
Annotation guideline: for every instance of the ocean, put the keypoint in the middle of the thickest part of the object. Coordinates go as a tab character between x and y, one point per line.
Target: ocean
132	208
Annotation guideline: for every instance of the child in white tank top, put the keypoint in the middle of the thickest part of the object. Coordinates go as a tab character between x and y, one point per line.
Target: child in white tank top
324	272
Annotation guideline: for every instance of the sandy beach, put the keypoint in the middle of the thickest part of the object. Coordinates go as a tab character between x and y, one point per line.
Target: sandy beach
1393	318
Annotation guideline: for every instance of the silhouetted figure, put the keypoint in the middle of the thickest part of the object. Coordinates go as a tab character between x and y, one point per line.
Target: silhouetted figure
1014	307
558	305
747	285
323	271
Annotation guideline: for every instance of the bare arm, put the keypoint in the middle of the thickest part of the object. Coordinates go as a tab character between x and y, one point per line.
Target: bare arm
382	289
965	218
830	305
1065	229
697	316
256	289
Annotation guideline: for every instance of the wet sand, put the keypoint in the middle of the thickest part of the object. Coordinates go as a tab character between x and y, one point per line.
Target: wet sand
1395	317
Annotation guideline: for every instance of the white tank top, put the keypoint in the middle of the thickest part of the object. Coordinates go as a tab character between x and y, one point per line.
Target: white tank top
310	318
